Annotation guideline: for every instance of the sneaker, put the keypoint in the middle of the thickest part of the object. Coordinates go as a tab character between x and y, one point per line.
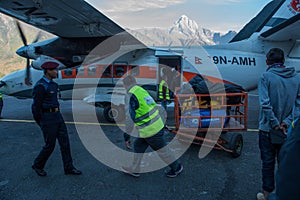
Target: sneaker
260	196
129	171
172	174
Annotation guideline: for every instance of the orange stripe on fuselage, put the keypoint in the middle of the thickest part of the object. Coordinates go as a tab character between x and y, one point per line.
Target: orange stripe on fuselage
104	71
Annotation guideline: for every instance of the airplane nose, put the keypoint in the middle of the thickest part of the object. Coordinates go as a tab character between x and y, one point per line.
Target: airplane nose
22	51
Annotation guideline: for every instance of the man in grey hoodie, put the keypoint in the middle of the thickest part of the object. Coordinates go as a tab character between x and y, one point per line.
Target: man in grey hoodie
279	98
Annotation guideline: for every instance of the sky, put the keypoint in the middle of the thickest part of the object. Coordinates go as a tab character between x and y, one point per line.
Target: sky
216	15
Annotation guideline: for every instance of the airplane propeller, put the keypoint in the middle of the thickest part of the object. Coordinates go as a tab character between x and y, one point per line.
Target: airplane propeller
24	40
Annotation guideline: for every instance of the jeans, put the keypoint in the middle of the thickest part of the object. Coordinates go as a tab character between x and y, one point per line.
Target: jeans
156	142
269	154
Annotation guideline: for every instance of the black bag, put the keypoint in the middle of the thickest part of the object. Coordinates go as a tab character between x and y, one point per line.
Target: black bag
277	136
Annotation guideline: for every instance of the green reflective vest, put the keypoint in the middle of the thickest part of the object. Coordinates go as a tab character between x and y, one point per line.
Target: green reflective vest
0	95
147	119
160	91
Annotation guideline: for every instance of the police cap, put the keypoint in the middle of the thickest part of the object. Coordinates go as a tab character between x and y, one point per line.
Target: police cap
49	65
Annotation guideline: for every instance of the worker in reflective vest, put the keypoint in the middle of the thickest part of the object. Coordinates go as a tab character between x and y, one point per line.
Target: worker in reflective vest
163	92
146	119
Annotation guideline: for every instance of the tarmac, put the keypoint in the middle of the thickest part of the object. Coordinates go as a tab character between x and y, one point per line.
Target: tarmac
218	176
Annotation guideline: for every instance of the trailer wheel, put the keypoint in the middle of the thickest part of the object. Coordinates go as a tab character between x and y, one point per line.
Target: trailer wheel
113	113
236	144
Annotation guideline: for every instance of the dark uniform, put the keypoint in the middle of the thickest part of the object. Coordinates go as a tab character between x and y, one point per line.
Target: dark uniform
45	110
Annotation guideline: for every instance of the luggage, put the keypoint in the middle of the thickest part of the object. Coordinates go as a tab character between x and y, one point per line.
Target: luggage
201	85
207	118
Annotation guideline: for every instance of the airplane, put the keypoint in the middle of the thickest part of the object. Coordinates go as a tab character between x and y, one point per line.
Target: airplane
94	53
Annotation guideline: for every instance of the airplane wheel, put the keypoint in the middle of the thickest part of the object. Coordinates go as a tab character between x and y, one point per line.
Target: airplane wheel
113	113
236	144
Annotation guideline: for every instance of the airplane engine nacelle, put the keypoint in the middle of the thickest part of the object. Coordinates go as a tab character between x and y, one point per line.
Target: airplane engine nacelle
36	64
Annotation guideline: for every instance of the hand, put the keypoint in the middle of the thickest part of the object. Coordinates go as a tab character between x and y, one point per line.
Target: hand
283	126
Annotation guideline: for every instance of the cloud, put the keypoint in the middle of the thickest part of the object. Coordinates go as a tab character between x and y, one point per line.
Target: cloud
139	5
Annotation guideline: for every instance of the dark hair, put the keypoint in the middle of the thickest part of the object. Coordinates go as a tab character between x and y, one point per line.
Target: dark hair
129	80
275	55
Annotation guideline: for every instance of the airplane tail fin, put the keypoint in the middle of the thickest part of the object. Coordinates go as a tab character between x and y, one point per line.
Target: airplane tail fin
275	16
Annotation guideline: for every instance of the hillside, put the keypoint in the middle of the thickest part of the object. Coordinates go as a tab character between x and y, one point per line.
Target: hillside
10	41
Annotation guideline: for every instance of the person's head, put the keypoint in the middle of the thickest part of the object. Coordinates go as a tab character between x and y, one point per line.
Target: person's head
275	55
50	69
129	81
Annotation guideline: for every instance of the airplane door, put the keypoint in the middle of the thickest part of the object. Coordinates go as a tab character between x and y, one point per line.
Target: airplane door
171	68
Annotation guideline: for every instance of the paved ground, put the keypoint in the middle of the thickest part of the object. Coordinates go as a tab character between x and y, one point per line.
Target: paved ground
217	176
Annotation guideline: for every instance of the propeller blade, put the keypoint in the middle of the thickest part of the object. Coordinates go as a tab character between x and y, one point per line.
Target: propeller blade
21	33
28	75
38	36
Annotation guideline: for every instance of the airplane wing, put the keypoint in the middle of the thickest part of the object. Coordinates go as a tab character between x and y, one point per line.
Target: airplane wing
288	30
64	18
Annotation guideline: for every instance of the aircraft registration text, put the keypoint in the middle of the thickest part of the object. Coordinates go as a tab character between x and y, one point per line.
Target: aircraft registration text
243	61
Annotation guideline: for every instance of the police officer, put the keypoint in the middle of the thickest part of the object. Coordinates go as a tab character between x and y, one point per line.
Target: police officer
146	118
45	110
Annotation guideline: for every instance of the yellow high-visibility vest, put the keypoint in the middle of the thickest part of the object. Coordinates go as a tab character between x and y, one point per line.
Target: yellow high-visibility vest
160	91
147	119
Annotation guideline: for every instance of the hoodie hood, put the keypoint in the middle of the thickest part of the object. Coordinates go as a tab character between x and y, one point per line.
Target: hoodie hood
286	72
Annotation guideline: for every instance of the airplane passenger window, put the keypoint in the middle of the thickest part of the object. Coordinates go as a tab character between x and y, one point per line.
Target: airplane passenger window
80	71
134	70
120	71
107	71
68	72
92	70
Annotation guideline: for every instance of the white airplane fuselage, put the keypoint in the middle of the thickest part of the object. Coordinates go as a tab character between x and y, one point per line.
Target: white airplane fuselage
224	62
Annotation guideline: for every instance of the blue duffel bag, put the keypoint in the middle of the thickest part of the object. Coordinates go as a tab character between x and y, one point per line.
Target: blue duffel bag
206	119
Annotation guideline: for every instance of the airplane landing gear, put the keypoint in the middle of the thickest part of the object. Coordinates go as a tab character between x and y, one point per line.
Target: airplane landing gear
114	113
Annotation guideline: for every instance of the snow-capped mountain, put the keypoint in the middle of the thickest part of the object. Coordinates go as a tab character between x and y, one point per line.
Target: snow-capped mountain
184	32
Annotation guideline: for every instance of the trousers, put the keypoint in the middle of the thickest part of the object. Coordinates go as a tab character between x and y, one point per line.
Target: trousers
51	132
269	154
156	142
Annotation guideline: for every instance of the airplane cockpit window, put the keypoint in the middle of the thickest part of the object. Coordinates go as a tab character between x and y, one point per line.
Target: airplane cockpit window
92	70
134	70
